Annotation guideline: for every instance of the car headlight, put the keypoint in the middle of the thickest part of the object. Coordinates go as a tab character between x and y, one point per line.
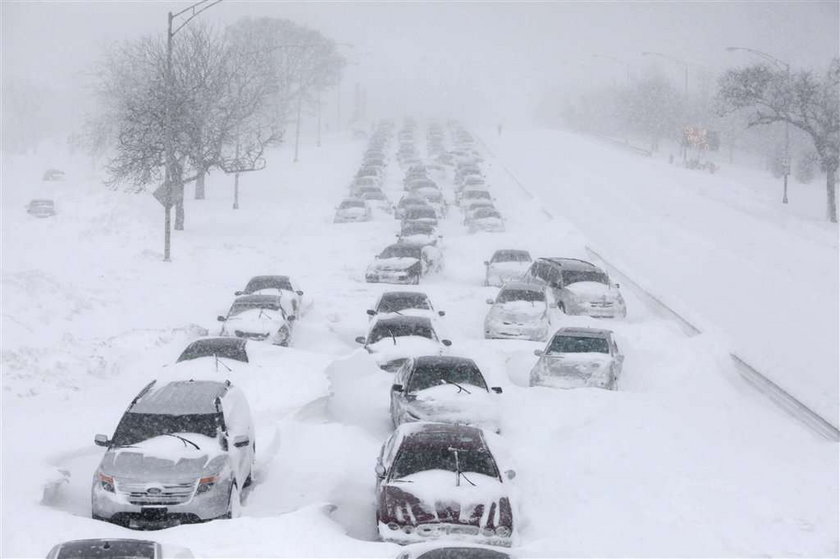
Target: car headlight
106	483
205	484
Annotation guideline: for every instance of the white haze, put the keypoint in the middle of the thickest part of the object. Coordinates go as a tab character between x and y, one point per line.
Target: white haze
485	62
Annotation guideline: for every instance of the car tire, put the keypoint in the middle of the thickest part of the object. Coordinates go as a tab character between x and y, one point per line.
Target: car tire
234	502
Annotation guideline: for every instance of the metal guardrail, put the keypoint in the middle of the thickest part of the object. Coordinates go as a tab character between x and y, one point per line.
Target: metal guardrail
778	395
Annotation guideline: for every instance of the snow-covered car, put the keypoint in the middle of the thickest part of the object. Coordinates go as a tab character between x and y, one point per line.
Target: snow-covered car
377	200
284	286
258	317
352	210
451	550
578	357
219	347
393	339
406	303
409	201
578	287
473	206
445	389
506	265
117	548
41	208
520	311
473	193
418	233
403	263
438	481
53	175
182	453
485	219
364	182
422	214
434	198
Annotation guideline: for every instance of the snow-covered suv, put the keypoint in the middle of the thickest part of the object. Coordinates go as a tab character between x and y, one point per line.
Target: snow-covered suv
181	453
578	287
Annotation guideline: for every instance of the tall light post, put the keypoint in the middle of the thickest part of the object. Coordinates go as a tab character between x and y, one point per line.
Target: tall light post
169	195
779	64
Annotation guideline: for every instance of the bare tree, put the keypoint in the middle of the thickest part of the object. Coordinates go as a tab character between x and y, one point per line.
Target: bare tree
804	100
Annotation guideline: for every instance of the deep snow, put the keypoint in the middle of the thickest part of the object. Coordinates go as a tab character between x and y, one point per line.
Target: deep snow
684	460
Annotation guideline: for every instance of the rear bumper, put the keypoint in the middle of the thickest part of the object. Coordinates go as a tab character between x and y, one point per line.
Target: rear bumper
408	534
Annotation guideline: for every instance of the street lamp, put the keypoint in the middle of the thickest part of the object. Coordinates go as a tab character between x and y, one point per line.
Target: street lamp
167	196
780	64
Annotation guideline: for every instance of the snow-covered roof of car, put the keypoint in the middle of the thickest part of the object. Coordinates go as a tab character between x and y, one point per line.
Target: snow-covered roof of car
583	332
572	263
181	397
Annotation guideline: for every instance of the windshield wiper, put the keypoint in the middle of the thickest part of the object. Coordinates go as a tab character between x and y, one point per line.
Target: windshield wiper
183	440
393	337
222	363
453	383
458	473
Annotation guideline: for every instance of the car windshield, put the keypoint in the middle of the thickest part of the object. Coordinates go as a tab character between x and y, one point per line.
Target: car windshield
511	256
578	344
414	458
275	282
486	212
528	295
137	427
418	229
434	374
347	204
401	251
230	348
477	194
107	549
463	553
239	307
420	213
575	276
400	329
396	303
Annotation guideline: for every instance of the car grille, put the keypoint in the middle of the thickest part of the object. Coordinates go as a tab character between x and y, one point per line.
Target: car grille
601	304
250	335
141	493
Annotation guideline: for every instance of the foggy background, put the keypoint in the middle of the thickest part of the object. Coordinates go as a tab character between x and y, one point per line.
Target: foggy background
482	62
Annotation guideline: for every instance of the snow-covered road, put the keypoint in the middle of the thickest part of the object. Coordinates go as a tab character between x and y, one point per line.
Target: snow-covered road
682	461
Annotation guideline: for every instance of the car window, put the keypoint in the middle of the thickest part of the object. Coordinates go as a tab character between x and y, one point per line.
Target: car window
578	344
381	330
575	276
137	427
428	375
414	458
527	295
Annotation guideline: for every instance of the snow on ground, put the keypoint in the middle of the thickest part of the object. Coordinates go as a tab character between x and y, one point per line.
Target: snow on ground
720	250
684	460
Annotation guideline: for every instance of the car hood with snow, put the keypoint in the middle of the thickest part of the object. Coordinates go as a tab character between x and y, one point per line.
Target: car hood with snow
574	370
166	458
449	403
262	322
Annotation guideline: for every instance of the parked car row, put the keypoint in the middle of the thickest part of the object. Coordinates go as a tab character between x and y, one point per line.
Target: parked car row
366	195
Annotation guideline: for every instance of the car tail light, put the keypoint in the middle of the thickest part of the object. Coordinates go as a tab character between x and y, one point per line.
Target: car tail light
393	526
503	532
205	484
106	482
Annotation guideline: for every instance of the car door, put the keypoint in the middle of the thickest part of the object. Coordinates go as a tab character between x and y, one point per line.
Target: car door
240	433
398	398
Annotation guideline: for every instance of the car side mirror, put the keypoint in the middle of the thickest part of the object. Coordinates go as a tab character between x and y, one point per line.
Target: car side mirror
447	343
538	352
510	474
371	312
299	292
397	387
238	293
489	301
240	441
497	389
380	470
360	340
220	318
291	318
617	285
441	313
101	440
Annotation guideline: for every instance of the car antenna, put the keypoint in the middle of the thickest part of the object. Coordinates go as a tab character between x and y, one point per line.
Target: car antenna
393	337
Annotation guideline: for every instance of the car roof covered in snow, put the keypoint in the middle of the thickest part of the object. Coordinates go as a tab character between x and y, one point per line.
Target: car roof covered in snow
181	397
572	263
583	332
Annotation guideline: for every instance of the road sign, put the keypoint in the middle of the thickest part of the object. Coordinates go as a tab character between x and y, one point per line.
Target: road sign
163	194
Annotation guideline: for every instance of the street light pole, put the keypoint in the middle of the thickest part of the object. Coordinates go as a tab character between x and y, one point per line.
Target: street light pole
779	64
172	173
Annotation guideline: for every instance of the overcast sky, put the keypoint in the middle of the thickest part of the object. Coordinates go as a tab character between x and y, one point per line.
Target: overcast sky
493	59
